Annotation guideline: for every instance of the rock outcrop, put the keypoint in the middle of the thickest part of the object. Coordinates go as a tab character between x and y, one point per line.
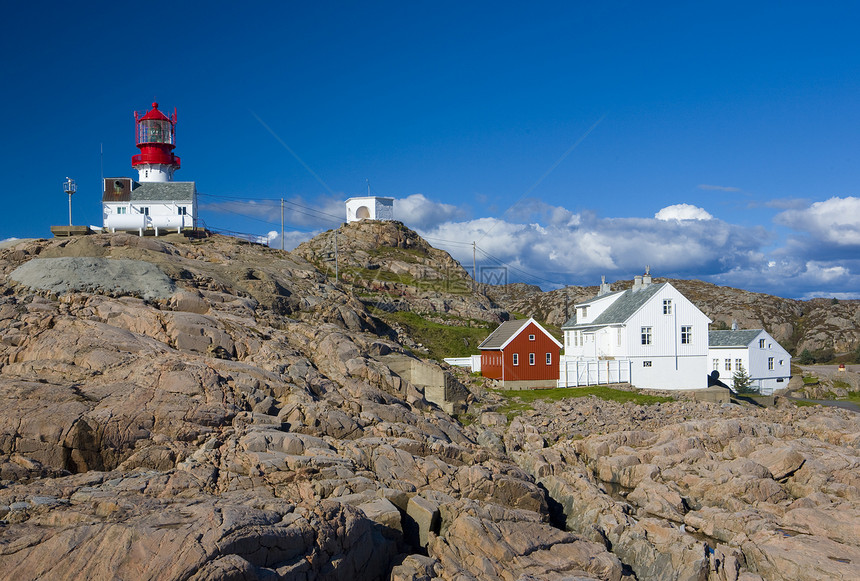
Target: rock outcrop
258	421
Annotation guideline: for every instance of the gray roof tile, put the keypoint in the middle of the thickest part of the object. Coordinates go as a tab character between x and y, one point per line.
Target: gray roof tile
163	191
502	333
622	309
739	338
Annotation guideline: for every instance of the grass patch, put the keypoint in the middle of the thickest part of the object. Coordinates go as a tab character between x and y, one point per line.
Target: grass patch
440	340
810	380
521	400
840	384
803	404
601	391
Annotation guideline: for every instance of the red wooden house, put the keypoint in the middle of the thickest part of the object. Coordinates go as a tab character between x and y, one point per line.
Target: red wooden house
521	355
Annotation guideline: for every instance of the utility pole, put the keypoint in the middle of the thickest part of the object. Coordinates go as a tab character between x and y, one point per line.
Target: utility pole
474	280
282	223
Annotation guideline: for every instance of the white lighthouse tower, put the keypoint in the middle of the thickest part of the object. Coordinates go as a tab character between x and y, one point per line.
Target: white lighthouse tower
156	138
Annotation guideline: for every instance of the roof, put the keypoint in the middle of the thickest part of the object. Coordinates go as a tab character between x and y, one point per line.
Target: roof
505	332
739	338
154	113
381	198
599	297
163	191
622	309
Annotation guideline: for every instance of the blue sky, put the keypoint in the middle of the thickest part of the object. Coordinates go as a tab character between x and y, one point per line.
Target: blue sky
571	140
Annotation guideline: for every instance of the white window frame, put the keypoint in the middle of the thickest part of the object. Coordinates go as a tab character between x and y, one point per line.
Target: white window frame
716	364
667	306
728	364
761	343
686	335
646	335
531	358
549	358
531	337
770	363
738	364
516	359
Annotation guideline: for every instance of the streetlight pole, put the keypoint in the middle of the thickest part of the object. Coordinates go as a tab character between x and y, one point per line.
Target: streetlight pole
69	187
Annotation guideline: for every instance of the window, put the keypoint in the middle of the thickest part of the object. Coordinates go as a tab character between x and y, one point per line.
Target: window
728	364
781	362
738	365
646	364
716	363
667	306
182	210
144	210
770	362
646	335
531	358
584	311
761	343
531	337
549	358
687	335
120	210
618	332
516	359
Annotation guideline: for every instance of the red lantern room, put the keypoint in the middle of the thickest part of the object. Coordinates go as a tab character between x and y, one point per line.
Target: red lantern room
156	138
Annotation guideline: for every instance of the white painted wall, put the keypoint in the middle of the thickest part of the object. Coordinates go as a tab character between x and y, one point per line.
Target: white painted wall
162	216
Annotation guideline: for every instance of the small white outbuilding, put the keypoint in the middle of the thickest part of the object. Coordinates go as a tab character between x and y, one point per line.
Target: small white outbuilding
766	362
369	208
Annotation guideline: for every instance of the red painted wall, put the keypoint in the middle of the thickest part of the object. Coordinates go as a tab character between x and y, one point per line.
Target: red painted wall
491	366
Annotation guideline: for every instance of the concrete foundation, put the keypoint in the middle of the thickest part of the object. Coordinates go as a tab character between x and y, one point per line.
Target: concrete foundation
439	386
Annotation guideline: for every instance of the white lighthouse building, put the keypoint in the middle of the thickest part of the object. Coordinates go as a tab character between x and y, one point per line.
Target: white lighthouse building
154	203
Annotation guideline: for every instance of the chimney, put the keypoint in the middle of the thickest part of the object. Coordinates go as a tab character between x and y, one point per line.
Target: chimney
646	280
604	288
637	282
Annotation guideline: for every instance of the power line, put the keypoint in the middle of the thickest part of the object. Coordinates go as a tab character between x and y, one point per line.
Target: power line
266	202
512	267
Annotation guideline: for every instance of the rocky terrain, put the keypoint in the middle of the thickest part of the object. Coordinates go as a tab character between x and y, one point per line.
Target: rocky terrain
210	409
814	324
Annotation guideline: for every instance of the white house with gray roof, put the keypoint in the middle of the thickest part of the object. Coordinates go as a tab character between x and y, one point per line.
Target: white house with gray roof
661	335
156	207
765	361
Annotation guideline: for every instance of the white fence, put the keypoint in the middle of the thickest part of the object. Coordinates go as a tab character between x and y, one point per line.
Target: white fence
578	373
472	363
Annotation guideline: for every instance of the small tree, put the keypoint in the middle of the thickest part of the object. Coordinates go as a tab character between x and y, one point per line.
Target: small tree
806	358
741	380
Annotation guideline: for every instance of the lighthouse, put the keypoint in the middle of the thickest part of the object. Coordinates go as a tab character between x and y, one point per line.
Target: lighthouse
156	137
153	204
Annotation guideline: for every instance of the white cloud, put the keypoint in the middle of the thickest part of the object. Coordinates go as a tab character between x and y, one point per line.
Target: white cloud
615	246
683	212
835	221
291	239
420	213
